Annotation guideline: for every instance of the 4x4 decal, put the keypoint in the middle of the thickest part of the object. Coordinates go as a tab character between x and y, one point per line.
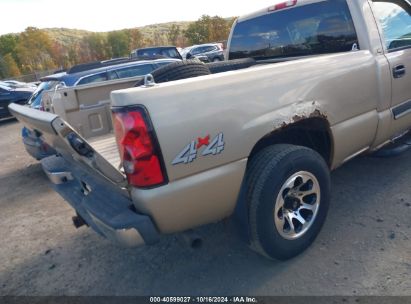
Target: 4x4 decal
189	153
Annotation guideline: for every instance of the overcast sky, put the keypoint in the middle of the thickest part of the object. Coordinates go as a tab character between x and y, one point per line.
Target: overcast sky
102	15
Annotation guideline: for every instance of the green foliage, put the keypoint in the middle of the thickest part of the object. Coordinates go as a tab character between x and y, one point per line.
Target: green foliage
197	32
136	39
60	55
37	50
161	30
8	43
34	51
173	34
208	29
66	37
3	68
97	44
118	42
8	65
12	69
219	28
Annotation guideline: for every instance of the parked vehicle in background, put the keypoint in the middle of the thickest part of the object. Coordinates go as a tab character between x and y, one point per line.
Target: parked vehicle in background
17	84
159	51
126	72
213	51
97	72
202	58
45	84
258	144
9	95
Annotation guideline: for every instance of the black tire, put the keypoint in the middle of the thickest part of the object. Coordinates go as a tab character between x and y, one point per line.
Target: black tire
178	70
231	65
266	175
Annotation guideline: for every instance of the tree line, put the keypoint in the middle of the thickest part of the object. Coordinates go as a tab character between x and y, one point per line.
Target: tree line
34	50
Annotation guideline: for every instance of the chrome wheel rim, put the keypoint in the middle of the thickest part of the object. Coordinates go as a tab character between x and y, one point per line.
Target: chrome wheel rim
297	205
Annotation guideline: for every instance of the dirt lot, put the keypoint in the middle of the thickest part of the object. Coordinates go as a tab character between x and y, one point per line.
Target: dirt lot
364	248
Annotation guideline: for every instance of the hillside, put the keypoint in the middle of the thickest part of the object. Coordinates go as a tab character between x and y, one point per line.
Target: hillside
34	51
67	36
162	28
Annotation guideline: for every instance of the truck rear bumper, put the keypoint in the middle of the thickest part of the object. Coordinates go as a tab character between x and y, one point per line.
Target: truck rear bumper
104	207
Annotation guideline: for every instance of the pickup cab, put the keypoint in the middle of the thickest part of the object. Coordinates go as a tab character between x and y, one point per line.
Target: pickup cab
256	144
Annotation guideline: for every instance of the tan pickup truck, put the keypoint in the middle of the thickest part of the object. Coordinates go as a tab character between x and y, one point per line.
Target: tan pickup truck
256	144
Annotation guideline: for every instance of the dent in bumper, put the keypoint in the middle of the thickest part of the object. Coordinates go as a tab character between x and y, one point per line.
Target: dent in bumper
99	203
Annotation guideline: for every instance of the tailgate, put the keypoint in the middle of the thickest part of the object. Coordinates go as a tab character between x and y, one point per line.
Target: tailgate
66	141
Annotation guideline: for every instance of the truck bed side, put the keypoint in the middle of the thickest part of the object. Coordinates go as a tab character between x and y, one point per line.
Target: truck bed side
87	107
249	104
245	107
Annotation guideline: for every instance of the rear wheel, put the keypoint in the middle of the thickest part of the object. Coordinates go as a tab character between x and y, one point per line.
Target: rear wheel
288	194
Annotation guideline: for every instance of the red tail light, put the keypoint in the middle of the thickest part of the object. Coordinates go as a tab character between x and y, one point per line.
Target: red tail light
138	148
282	5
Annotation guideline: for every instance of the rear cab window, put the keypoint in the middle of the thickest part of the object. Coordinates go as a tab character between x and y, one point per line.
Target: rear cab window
311	29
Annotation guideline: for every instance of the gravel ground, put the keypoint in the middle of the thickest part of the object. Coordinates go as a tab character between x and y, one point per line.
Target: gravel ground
363	249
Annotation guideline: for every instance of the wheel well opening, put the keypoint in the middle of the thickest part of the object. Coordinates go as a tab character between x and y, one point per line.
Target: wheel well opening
313	133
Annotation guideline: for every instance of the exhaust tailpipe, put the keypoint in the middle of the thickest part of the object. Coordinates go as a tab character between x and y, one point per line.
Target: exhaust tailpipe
78	221
192	239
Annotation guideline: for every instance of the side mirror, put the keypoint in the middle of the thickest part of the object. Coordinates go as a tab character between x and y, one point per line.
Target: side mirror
188	56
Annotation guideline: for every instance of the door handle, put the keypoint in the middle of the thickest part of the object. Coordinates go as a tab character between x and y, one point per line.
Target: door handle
399	71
